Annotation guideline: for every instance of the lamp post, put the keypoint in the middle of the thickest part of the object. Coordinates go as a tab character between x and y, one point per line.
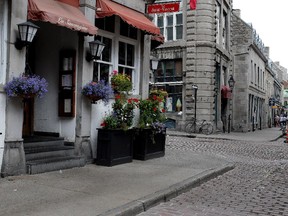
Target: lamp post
95	50
195	87
231	83
154	65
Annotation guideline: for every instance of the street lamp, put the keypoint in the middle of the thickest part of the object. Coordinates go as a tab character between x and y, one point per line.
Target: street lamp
96	48
231	83
154	65
27	31
195	87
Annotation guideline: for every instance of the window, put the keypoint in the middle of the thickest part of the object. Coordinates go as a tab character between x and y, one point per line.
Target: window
102	67
170	24
224	30
106	23
168	76
218	23
126	56
127	30
120	52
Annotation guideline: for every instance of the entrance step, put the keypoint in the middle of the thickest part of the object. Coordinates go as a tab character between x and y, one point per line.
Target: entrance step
45	154
54	164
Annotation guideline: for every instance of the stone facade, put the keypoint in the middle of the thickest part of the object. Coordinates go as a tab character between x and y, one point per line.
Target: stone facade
206	62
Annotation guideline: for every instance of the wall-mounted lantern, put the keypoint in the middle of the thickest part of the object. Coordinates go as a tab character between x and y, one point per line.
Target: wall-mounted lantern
96	48
27	31
154	65
231	83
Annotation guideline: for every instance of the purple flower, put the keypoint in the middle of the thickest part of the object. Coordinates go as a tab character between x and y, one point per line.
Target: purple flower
99	89
26	85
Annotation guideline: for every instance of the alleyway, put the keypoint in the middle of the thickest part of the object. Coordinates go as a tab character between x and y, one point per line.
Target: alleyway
256	186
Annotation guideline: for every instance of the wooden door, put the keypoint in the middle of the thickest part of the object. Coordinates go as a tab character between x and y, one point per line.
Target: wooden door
28	117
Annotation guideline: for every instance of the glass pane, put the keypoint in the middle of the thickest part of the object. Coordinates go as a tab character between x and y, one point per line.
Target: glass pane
133	32
110	23
179	19
128	71
104	72
169	20
130	55
179	30
160	22
106	54
122	53
169	33
123	28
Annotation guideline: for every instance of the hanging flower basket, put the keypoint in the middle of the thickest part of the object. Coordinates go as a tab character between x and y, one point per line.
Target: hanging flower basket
96	91
121	82
26	86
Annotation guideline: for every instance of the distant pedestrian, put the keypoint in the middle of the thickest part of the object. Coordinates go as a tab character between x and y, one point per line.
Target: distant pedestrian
277	120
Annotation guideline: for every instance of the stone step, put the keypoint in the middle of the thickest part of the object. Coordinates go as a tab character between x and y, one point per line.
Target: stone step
33	153
43	141
53	164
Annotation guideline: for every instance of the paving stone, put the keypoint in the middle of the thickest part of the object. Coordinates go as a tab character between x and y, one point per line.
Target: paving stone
256	186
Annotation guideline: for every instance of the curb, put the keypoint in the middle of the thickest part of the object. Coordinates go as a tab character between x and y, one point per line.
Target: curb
143	204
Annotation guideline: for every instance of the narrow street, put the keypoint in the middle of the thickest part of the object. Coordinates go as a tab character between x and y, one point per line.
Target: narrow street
256	186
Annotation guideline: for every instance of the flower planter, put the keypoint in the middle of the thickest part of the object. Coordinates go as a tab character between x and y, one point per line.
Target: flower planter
114	147
93	98
148	144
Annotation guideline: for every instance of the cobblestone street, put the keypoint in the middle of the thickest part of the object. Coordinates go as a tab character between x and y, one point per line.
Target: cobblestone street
256	186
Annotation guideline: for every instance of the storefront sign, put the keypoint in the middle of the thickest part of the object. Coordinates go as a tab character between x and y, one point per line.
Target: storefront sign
163	8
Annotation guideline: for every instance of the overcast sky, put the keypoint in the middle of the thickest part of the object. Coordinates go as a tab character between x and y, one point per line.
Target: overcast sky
270	20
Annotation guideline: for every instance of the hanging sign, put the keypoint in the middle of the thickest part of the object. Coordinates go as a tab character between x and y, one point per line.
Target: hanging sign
163	7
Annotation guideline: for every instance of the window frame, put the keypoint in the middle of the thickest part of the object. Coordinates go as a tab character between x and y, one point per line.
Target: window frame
116	37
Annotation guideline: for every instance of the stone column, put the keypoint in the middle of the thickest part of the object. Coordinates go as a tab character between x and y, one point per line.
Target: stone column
14	157
84	75
144	76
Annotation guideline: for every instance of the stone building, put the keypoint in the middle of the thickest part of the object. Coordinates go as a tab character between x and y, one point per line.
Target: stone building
258	79
195	60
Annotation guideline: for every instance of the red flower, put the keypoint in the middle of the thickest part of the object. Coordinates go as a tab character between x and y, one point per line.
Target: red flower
118	97
154	97
154	109
103	124
163	110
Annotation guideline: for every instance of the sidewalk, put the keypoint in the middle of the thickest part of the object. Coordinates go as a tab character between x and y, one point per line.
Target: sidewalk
267	134
125	189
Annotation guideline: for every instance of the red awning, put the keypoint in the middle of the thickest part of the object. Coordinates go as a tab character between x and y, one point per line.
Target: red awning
225	92
132	17
61	14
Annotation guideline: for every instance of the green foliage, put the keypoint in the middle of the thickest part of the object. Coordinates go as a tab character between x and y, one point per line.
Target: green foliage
121	82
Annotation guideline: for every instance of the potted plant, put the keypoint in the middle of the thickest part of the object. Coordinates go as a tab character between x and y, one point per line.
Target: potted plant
121	82
26	86
115	138
97	90
150	136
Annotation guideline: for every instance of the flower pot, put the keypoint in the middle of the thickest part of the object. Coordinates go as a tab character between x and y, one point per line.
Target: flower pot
148	144
93	98
114	147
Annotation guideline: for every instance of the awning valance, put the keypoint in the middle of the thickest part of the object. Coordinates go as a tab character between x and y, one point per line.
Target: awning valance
61	14
132	17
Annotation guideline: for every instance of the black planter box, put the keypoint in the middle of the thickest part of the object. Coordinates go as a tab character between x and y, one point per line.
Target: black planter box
148	145
114	147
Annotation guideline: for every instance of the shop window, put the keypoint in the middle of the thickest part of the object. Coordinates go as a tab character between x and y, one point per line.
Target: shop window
168	77
106	23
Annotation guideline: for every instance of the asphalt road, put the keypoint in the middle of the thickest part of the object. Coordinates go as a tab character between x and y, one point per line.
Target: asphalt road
256	186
